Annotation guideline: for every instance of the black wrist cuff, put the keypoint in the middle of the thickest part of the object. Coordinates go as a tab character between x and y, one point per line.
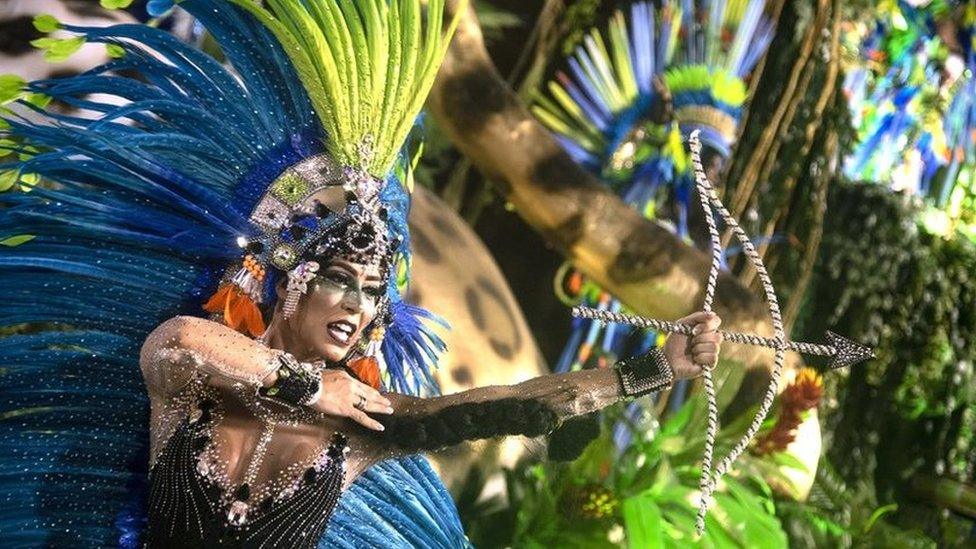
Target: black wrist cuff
645	374
297	384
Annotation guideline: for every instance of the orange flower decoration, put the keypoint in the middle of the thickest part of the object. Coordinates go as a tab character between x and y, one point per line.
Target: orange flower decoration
253	267
803	394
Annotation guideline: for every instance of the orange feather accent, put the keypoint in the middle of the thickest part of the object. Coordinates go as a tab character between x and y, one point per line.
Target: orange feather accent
240	312
367	369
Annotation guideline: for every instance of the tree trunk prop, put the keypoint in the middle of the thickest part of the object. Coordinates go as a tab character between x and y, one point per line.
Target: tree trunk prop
640	262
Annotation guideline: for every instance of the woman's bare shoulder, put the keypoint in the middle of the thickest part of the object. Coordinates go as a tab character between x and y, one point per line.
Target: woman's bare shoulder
179	331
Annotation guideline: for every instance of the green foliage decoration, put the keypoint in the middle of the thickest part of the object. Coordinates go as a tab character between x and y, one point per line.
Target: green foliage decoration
885	281
643	495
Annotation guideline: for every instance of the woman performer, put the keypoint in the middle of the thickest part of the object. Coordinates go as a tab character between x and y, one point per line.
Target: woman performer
290	168
250	439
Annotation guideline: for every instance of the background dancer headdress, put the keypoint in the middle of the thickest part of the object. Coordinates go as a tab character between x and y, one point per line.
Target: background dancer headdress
151	193
606	111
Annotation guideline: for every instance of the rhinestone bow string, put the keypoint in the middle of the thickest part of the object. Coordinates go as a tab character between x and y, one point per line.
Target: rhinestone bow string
842	351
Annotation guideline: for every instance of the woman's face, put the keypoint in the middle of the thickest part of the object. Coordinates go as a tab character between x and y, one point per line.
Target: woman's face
341	301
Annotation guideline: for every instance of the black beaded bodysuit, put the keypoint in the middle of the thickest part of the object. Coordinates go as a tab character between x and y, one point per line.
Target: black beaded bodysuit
208	425
287	501
189	507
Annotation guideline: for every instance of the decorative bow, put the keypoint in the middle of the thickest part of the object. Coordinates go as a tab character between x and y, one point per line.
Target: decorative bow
843	352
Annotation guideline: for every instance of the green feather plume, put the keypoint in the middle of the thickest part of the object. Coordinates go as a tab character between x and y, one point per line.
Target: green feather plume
366	64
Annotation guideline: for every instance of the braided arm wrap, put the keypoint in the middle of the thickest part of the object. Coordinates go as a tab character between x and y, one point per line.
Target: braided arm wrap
468	421
532	408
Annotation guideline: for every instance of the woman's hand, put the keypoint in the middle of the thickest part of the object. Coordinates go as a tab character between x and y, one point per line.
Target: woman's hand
346	397
687	354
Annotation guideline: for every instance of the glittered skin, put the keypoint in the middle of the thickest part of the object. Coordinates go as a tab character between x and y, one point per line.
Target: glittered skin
187	361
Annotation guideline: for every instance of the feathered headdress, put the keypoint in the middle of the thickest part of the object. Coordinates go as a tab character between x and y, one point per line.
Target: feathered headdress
150	193
605	112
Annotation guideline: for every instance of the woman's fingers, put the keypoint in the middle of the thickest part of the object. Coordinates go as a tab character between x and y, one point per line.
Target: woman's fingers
371	394
702	347
709	359
376	406
695	318
703	322
365	398
361	418
713	322
713	338
345	396
706	347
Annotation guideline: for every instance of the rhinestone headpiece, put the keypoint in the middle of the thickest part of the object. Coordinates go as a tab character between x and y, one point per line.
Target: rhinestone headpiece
316	209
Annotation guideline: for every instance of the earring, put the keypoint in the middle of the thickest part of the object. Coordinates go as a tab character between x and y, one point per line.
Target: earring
298	279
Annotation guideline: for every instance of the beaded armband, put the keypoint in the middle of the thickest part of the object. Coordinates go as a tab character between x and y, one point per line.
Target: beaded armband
298	383
647	373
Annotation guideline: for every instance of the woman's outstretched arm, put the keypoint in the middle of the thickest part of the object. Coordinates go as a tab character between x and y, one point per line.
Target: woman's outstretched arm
532	408
539	405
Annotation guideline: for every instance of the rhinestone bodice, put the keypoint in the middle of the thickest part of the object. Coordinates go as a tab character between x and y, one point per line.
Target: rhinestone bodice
192	504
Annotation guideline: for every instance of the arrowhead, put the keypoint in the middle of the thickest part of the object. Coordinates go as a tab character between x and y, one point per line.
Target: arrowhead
848	352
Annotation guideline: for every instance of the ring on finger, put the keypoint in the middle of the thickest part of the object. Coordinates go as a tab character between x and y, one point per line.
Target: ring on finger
361	403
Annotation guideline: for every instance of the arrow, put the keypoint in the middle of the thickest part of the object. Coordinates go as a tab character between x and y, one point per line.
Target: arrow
842	351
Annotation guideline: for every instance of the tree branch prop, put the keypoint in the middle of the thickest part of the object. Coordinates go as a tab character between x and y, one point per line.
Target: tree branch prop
637	260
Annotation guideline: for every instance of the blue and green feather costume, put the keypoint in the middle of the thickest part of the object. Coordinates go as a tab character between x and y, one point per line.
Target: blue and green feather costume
136	222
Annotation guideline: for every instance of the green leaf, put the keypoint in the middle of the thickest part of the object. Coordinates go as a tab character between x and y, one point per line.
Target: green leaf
786	459
878	513
17	240
676	423
642	522
595	459
59	49
115	51
654	475
11	87
115	4
46	23
752	515
727	377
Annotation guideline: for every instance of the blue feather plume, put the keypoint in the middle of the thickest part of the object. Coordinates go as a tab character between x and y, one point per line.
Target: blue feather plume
151	192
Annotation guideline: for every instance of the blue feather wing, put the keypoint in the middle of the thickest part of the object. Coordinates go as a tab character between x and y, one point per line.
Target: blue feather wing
150	198
139	228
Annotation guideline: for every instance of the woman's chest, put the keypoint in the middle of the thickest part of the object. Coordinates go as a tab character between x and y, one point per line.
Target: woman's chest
267	455
226	474
240	443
